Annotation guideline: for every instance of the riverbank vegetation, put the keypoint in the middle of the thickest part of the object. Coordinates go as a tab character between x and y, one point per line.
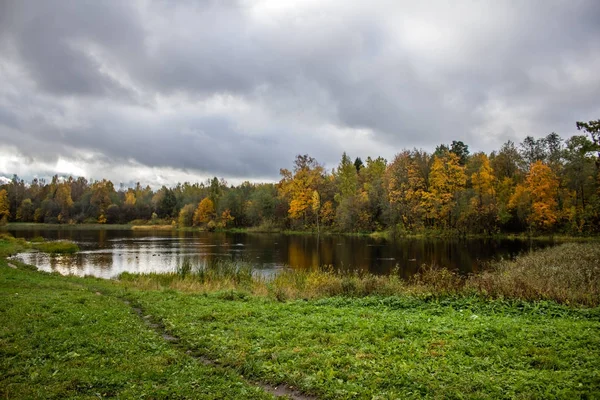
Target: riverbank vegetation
541	186
152	336
10	245
567	274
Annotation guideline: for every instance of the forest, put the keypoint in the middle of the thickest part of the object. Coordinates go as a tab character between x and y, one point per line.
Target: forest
546	185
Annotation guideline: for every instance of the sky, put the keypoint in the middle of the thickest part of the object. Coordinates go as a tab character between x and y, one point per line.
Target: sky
163	92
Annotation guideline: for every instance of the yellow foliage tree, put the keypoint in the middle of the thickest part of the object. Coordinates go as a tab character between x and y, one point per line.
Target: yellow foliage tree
226	218
4	205
446	178
327	213
535	199
205	212
542	183
130	198
300	186
63	198
406	188
483	212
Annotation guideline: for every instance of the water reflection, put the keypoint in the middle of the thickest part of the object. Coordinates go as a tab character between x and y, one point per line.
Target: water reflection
107	253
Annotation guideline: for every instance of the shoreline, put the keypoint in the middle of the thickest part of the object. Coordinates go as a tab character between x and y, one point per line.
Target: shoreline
449	235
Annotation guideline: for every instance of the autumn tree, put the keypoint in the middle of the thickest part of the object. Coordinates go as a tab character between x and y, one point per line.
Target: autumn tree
63	199
446	178
226	219
483	207
101	197
4	206
406	185
205	212
299	186
537	195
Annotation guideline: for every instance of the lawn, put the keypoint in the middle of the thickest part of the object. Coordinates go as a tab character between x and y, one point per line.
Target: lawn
69	337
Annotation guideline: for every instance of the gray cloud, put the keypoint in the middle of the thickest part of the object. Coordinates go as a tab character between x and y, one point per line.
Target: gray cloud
236	89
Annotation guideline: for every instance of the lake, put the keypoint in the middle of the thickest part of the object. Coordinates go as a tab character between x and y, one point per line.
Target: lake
107	253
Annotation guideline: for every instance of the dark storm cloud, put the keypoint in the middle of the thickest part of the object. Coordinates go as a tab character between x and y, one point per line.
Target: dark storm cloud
144	81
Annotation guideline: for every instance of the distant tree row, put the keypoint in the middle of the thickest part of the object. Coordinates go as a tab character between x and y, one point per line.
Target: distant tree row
542	185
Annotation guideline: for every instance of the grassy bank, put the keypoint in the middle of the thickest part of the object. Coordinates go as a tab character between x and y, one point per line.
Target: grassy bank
60	338
75	337
502	334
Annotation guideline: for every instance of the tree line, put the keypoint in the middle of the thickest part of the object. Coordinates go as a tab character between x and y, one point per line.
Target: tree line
545	185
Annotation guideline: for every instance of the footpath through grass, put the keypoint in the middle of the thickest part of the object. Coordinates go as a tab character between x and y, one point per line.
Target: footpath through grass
390	348
60	339
67	337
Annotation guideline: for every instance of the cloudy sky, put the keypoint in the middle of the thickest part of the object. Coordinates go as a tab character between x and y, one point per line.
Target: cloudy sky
164	91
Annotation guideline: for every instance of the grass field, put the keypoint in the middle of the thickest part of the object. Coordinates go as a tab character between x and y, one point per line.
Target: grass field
68	337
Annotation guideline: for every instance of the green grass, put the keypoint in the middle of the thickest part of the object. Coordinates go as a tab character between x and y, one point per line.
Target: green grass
394	347
59	338
438	336
9	245
56	247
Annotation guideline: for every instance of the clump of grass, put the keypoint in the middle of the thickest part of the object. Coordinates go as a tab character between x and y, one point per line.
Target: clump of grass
221	275
152	227
439	281
57	247
325	282
569	273
266	226
10	245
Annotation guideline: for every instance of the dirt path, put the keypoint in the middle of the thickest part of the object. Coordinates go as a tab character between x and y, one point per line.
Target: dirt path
283	391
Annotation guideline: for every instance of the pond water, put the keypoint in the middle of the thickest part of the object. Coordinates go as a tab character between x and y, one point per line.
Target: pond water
107	253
